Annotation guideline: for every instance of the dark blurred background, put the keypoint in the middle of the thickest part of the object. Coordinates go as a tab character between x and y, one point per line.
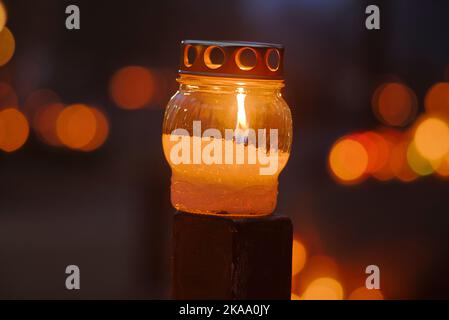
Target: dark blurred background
108	210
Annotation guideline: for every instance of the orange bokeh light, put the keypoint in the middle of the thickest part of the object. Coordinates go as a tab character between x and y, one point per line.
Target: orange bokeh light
363	293
40	99
377	149
7	46
101	133
76	126
437	99
14	129
299	256
442	168
3	16
399	163
432	138
318	266
132	87
394	104
44	123
323	289
8	97
294	297
389	138
81	127
348	160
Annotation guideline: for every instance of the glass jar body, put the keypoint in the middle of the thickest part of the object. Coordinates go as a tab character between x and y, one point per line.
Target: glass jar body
226	141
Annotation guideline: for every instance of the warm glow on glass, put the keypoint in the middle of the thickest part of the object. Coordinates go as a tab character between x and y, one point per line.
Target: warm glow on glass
432	138
225	185
7	46
323	289
363	293
394	104
14	129
299	257
132	87
348	160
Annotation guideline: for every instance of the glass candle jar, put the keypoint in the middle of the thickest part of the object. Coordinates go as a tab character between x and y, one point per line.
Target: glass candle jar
227	131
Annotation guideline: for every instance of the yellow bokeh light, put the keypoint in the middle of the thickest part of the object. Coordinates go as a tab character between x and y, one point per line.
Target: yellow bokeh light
432	138
417	163
348	160
363	293
7	46
323	289
3	16
76	126
14	129
299	256
442	167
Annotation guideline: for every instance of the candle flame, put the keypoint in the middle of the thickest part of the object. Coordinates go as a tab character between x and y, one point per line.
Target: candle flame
242	123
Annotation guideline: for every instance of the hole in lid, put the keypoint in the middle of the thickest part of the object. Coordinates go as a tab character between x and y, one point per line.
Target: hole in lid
273	59
189	55
214	57
246	58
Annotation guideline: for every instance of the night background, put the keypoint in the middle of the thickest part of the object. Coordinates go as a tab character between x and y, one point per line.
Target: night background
105	206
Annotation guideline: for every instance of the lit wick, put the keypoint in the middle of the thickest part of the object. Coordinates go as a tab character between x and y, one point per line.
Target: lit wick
241	128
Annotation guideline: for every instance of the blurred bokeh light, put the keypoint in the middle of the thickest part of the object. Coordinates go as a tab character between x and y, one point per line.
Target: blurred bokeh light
399	163
39	99
437	99
348	160
44	122
418	163
132	87
432	138
394	104
7	46
323	289
3	16
81	127
363	293
8	97
299	256
14	129
101	132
